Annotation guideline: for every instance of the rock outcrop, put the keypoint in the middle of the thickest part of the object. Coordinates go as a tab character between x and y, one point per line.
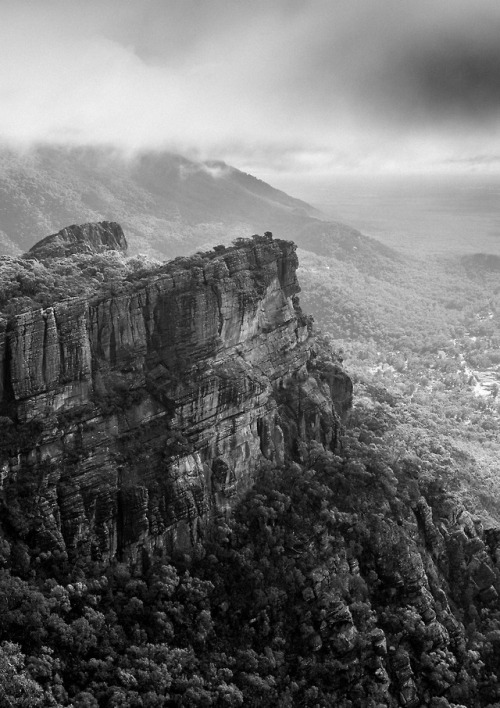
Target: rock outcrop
130	420
87	238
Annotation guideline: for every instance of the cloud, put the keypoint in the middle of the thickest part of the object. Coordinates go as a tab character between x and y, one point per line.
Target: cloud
216	170
314	85
436	68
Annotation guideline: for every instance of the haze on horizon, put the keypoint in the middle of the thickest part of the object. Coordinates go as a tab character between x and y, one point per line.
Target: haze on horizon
291	86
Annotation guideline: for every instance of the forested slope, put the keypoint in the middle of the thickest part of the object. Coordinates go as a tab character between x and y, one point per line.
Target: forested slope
167	204
424	333
341	580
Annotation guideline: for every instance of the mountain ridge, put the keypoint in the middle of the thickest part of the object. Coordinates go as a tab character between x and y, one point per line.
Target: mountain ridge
168	205
160	198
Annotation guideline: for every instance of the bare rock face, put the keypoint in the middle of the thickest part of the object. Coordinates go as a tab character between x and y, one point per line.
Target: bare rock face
86	238
130	420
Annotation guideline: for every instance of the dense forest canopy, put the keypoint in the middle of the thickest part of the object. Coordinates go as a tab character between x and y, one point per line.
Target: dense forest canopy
343	580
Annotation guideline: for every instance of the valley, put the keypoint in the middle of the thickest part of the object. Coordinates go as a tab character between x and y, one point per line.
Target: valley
424	328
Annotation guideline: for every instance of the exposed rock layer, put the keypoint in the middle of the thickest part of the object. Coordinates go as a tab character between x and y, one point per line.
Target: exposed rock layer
131	419
86	238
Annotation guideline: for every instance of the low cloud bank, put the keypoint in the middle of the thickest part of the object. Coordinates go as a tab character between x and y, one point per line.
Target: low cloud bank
291	85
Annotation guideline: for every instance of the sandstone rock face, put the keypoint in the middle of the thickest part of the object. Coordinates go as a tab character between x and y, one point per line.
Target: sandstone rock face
87	238
130	420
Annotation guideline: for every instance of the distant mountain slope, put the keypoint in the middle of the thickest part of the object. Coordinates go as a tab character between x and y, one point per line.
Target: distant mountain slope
168	205
480	263
344	243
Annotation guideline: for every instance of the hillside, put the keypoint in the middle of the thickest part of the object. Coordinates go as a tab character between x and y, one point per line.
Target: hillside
424	335
168	205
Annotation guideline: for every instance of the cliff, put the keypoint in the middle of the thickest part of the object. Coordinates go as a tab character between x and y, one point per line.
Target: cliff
130	420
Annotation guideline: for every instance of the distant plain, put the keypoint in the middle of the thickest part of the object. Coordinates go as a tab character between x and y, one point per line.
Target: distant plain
415	214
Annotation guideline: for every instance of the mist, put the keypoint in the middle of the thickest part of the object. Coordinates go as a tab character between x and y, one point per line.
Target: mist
314	87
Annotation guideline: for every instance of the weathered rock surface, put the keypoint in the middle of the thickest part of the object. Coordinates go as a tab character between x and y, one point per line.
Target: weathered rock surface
131	419
86	238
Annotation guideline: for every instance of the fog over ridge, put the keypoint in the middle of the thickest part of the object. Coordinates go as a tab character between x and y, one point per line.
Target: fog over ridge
290	85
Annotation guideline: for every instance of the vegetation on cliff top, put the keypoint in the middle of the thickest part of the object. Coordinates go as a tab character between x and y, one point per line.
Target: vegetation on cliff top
28	283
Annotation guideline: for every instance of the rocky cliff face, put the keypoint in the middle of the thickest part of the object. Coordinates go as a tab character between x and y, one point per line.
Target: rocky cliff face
87	238
130	420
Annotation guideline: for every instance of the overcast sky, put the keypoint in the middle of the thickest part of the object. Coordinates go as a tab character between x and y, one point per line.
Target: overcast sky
267	85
